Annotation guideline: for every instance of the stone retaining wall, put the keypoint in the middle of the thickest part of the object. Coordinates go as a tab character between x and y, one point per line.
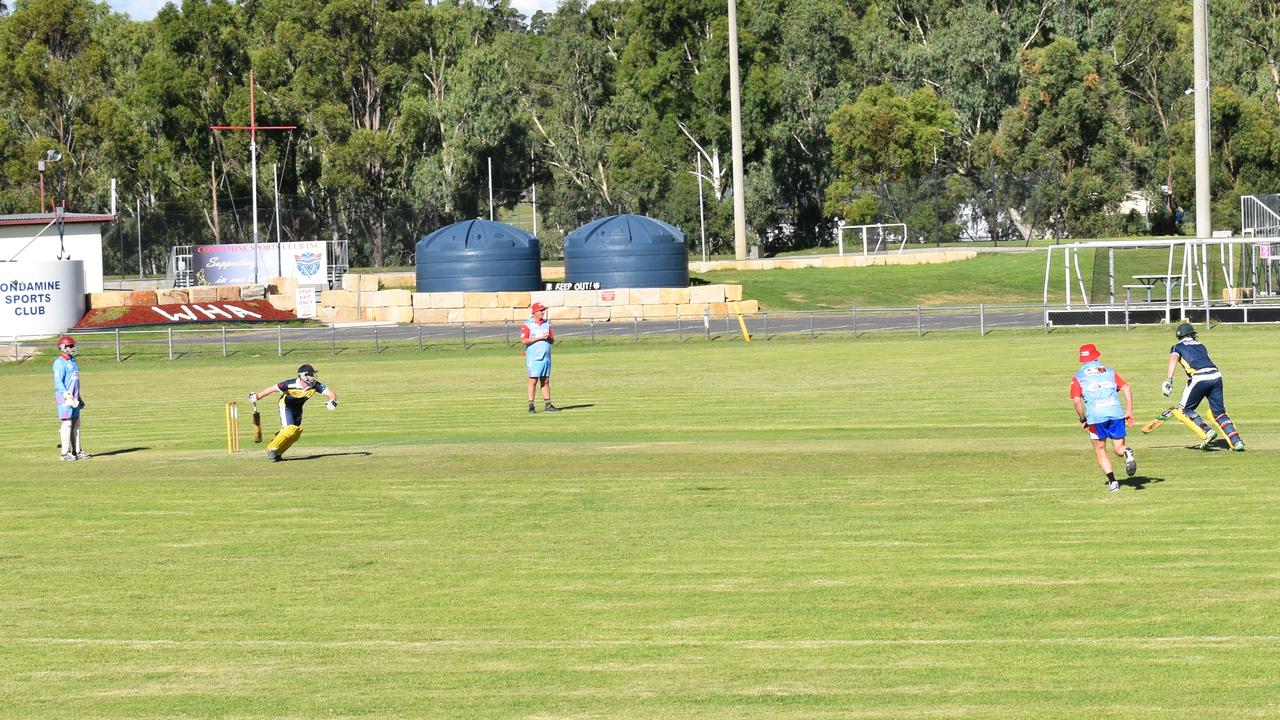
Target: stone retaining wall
401	306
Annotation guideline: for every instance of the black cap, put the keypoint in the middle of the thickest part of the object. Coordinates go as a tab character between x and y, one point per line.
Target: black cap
306	369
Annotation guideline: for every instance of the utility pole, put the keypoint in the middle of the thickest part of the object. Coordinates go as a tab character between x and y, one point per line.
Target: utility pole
253	127
1200	88
213	189
735	111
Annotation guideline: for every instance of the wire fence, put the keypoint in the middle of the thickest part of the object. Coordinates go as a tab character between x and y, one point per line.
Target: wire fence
175	343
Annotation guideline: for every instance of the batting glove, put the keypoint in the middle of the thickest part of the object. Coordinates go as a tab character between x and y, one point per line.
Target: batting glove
1166	387
331	405
253	397
69	400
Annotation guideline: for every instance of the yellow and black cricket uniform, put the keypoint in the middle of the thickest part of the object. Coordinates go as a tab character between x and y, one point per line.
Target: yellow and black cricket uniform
294	393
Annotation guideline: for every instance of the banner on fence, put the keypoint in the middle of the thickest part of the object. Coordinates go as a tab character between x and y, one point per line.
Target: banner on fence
308	262
180	314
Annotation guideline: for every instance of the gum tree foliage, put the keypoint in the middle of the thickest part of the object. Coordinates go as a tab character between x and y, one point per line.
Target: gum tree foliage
1045	113
1069	130
892	153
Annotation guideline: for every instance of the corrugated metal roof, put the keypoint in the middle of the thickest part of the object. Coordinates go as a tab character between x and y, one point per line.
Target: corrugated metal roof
45	218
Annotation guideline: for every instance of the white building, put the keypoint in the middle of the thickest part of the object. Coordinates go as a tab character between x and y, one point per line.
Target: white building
35	237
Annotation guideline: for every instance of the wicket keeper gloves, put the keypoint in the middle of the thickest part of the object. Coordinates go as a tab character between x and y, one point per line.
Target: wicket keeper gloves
331	405
1166	387
253	397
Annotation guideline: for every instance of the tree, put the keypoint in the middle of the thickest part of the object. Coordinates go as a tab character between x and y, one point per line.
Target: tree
1071	123
883	145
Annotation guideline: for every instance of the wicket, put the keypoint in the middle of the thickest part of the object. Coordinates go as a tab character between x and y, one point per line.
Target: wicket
233	427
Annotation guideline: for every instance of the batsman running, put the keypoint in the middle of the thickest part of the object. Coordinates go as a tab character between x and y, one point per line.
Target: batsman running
1204	381
294	393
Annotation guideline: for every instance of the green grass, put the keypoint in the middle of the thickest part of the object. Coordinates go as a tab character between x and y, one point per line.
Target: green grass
992	278
887	527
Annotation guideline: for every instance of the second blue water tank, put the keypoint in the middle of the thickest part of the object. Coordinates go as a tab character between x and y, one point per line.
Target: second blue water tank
627	251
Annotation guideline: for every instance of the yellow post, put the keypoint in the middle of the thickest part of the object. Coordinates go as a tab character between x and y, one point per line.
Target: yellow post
737	310
233	427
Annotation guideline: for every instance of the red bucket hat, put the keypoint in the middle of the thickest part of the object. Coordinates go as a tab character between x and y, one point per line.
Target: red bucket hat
1089	353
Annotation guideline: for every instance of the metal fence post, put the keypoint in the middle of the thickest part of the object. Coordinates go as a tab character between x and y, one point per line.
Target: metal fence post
376	348
635	329
765	313
224	341
679	330
420	348
853	313
506	331
811	325
593	331
333	339
117	344
919	322
170	333
1126	310
464	334
706	322
982	319
1045	317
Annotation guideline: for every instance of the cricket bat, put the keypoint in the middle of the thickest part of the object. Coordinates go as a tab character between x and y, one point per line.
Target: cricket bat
1159	420
257	423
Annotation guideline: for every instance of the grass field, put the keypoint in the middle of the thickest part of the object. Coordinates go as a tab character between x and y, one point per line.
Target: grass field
887	527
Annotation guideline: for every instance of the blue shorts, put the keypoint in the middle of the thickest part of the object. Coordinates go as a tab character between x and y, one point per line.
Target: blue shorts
539	368
68	412
1113	429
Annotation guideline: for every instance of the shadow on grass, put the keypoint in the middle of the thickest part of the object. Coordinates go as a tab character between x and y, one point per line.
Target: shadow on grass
575	407
1140	482
319	456
121	451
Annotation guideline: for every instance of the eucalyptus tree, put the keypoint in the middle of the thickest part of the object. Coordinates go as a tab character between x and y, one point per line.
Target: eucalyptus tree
893	153
55	77
1067	139
567	100
340	67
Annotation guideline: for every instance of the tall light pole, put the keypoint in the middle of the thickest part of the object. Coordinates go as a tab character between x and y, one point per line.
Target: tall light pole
735	112
1200	89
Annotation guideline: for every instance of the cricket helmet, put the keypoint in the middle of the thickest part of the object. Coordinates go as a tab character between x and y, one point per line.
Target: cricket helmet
66	340
1089	353
538	307
1185	330
306	369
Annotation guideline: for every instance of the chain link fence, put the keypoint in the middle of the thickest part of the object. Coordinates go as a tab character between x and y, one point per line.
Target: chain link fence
176	343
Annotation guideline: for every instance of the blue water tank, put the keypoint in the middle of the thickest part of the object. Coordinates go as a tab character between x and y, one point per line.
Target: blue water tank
478	256
627	251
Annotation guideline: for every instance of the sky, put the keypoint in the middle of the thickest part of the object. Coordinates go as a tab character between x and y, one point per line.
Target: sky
147	9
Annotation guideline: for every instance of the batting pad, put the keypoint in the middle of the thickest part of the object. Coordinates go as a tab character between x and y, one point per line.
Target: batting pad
285	439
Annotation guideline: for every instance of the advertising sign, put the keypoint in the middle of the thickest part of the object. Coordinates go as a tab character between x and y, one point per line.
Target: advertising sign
40	298
234	264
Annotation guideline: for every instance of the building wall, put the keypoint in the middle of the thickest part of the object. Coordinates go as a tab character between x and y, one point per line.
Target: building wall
82	241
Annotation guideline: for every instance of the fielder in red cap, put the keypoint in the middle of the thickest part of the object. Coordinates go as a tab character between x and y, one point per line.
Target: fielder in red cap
536	336
1095	392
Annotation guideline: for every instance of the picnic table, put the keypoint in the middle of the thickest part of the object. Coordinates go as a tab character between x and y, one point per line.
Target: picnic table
1150	281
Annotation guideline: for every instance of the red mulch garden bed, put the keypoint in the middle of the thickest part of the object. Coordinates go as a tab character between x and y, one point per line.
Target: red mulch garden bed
224	311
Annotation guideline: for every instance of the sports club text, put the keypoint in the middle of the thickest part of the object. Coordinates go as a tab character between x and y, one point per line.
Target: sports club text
33	302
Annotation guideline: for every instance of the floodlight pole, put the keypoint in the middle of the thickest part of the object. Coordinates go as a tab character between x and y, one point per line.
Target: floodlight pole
253	127
735	112
1200	89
